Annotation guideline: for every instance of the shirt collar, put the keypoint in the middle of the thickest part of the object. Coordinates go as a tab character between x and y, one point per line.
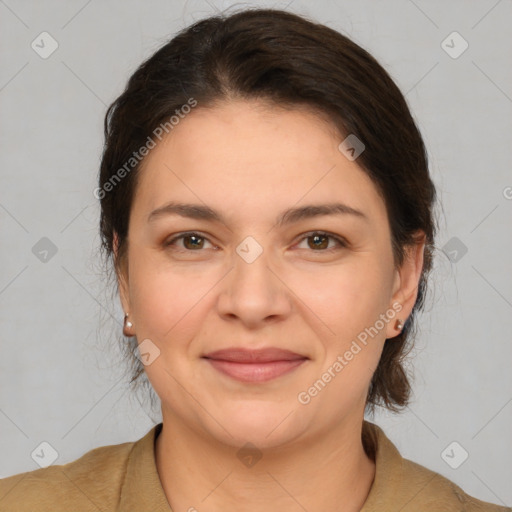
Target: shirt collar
142	489
388	480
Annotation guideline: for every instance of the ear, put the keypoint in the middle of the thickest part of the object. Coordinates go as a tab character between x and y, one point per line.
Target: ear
406	282
121	268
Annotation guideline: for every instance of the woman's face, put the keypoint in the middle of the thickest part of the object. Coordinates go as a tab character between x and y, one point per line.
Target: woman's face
248	281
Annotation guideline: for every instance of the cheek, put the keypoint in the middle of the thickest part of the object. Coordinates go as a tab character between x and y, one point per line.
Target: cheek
350	301
160	296
348	297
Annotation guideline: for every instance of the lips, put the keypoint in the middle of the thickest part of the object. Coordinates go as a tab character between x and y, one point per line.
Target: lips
266	355
254	366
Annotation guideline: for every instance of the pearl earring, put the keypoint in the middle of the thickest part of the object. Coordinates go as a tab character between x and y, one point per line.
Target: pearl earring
127	325
399	324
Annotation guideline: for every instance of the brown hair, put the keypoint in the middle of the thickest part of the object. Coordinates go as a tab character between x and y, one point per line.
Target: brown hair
285	59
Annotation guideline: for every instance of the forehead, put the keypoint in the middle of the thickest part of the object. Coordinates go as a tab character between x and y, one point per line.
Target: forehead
246	158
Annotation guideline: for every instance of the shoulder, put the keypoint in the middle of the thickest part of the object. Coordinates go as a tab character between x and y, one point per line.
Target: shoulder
436	492
97	476
401	484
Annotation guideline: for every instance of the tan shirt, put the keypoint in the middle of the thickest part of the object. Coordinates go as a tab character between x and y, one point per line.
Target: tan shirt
124	478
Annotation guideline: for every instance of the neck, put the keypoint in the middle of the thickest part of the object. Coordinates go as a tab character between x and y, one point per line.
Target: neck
332	473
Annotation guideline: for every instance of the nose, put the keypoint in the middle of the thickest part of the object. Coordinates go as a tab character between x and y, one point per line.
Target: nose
254	292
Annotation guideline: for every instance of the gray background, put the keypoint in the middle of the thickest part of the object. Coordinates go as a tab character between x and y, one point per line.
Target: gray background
61	379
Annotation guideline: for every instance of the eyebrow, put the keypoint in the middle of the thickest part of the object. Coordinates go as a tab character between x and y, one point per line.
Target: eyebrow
290	216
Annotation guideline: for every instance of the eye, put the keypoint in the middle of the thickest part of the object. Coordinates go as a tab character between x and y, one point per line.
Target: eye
192	241
320	241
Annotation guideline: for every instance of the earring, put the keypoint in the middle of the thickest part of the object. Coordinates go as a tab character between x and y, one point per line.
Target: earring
399	324
127	325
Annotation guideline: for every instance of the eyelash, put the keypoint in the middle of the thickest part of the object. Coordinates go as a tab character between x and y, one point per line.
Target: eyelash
341	242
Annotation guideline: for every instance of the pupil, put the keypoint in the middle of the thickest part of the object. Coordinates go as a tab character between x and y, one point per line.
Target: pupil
193	237
316	239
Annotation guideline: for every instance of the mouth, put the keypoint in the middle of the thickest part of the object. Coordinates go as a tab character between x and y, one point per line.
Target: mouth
255	365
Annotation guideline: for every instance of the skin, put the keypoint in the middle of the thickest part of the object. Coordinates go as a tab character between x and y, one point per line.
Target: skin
250	162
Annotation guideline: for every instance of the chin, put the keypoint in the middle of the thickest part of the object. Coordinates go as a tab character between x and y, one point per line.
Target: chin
265	425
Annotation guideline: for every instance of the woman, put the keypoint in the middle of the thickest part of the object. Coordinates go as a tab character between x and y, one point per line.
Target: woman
268	210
